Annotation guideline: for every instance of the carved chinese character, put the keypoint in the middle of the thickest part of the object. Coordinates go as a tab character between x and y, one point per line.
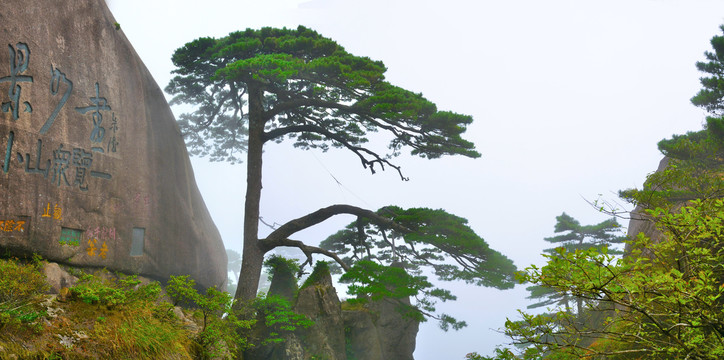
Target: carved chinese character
99	103
113	142
8	227
37	169
61	161
19	61
82	161
8	152
57	78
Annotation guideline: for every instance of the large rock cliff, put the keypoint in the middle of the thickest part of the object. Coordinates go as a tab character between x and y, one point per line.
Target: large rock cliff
93	169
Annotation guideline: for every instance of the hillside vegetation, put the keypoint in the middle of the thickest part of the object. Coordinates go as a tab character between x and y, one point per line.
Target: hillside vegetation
115	316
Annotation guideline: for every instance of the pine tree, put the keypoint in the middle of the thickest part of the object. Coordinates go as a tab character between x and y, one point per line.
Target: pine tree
254	87
574	236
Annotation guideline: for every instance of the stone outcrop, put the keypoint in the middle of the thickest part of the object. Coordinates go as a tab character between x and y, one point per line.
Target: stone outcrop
93	169
375	331
319	302
380	331
362	335
396	333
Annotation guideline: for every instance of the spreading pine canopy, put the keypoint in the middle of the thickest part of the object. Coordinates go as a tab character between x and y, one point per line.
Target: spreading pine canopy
314	92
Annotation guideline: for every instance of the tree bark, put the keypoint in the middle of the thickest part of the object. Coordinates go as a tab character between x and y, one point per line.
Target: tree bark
252	255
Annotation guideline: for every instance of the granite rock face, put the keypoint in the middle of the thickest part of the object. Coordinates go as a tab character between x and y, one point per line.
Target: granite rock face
320	303
396	333
361	334
93	169
641	222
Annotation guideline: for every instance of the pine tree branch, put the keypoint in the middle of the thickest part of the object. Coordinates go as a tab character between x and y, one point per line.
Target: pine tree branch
358	150
314	218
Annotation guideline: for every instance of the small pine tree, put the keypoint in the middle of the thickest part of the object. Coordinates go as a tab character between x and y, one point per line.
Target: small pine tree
574	236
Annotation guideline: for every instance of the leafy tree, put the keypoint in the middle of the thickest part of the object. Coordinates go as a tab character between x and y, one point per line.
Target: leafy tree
667	295
574	236
253	87
384	262
221	329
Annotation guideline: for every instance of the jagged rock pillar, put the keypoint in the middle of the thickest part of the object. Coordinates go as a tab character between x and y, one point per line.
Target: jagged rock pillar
318	300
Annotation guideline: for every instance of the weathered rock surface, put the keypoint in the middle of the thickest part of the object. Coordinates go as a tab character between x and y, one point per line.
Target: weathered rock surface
320	303
396	333
379	331
93	169
57	278
641	222
361	334
375	331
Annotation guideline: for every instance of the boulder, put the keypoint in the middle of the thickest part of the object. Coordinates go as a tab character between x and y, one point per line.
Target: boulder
93	168
57	278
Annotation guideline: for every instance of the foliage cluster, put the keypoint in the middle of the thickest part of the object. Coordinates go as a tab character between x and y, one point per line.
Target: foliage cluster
226	331
317	93
222	330
283	271
433	239
119	316
666	296
321	270
279	319
112	292
371	281
389	262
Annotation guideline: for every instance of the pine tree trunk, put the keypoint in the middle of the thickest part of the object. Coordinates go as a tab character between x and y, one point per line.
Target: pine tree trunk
252	255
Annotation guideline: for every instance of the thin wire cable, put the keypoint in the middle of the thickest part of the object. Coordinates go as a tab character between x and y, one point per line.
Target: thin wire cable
339	183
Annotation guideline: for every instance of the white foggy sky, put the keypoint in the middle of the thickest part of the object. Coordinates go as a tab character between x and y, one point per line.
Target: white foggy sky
569	100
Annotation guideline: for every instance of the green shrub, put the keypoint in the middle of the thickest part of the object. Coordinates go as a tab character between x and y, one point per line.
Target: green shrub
279	318
222	330
279	263
321	269
283	273
126	289
19	282
21	286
